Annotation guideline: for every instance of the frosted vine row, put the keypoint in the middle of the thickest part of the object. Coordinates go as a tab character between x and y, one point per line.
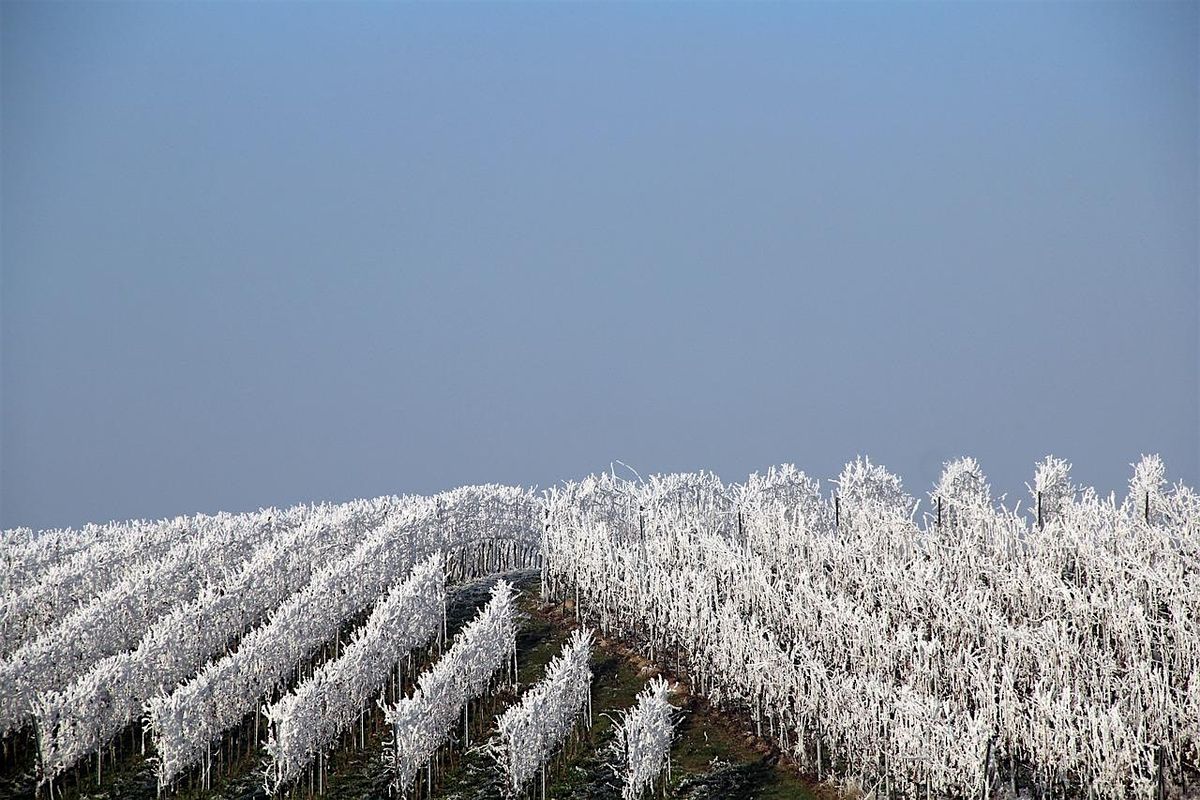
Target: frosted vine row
93	559
308	720
122	614
642	743
488	528
532	730
422	722
1056	649
86	714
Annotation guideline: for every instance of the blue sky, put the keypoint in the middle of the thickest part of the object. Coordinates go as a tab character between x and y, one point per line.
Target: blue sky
262	253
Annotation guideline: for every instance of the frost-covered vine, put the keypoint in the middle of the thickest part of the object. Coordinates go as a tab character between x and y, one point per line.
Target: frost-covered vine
422	722
308	720
28	557
121	614
1057	650
530	732
643	740
485	528
75	566
86	714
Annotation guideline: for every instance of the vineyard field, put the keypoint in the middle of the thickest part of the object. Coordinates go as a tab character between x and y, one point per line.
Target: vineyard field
676	636
713	753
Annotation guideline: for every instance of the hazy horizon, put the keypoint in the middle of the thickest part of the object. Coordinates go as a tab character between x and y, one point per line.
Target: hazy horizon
259	254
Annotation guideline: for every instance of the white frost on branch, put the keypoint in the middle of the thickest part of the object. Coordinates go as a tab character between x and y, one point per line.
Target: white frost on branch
308	720
643	740
422	722
530	732
916	659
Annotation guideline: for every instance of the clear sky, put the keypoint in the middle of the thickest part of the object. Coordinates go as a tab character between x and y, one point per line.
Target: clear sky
259	254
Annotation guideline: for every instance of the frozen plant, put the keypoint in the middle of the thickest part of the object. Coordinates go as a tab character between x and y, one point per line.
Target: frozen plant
479	529
1052	490
86	714
961	492
865	488
530	732
422	722
643	740
308	720
1147	489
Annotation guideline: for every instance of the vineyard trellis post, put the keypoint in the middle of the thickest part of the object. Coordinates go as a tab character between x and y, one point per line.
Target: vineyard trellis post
987	770
1160	791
